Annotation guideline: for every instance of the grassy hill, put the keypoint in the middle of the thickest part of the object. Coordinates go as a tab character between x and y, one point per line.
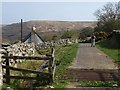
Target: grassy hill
12	32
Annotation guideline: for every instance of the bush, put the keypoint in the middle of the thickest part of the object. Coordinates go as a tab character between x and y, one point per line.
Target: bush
101	35
70	34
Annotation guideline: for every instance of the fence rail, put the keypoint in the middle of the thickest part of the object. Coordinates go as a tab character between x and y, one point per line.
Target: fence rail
24	70
28	57
50	63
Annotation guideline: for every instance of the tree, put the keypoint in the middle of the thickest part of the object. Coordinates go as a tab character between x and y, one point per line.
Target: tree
108	17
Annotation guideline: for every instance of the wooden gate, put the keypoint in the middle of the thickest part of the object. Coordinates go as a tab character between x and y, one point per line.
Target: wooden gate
50	59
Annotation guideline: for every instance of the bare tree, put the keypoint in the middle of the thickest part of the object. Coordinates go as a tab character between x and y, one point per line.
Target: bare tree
108	17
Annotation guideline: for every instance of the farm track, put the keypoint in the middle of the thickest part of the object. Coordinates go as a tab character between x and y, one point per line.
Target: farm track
93	65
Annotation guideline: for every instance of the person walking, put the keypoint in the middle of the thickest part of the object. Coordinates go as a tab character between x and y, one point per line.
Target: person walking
92	40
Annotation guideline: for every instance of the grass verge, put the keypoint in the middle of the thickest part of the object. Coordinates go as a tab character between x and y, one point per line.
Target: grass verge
64	57
111	47
86	83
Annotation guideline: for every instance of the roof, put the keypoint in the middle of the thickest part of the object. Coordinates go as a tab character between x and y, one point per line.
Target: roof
29	36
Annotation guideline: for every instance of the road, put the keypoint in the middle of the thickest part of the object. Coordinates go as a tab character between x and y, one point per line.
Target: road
91	64
92	58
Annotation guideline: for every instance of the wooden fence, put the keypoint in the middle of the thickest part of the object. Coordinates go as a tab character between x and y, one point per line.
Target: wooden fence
49	62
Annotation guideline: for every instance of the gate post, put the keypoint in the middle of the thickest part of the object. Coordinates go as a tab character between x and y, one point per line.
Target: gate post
51	65
50	69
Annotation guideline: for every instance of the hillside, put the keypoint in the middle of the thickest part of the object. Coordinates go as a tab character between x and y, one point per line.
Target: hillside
12	32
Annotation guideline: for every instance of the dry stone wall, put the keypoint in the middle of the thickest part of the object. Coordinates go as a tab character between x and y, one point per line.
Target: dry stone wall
18	49
50	44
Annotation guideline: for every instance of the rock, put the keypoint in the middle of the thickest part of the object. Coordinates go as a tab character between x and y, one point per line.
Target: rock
51	87
115	85
9	88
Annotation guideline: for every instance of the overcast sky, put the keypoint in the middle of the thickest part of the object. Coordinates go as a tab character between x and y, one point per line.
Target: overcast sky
12	12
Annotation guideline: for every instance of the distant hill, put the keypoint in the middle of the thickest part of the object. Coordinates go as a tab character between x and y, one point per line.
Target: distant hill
12	32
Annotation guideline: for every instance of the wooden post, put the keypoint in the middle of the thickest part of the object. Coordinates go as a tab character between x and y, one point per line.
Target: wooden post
53	57
50	69
7	70
52	65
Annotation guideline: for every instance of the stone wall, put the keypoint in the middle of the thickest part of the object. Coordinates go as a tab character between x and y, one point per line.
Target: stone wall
28	49
18	49
50	44
116	34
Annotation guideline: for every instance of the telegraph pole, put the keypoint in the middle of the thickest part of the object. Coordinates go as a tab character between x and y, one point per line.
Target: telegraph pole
21	29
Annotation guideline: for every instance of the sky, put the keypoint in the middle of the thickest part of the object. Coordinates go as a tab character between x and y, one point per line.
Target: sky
13	11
